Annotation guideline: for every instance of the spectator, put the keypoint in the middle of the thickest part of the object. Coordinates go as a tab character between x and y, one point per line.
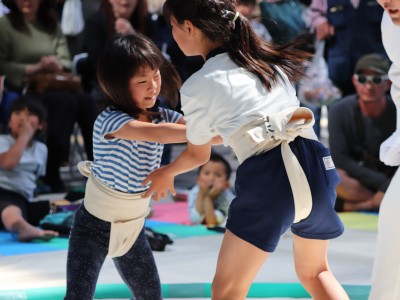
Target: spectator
283	19
210	198
246	8
351	29
357	125
32	42
22	161
113	17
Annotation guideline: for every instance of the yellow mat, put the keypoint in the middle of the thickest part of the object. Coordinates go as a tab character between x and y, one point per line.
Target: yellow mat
362	221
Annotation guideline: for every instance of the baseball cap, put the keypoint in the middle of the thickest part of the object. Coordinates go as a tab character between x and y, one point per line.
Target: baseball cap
374	62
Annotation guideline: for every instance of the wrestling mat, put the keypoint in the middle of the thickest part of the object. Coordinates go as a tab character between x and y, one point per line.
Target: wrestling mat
36	271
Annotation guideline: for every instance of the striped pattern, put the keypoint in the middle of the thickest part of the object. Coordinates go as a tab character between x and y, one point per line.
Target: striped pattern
124	164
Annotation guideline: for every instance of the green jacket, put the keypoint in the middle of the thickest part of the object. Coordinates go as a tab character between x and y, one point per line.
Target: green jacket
18	49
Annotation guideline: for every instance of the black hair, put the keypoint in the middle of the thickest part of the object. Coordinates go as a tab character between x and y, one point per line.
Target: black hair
46	16
34	106
215	19
31	103
247	2
215	157
122	58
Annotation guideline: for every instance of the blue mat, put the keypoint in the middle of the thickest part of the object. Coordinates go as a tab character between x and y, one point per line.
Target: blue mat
9	245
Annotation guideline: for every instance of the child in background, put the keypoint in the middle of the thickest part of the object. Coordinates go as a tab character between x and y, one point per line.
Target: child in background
22	161
210	198
128	140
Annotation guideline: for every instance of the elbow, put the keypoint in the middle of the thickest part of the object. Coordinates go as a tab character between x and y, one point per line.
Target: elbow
9	166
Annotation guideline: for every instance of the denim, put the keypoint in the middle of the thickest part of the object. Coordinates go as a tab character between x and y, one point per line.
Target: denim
88	248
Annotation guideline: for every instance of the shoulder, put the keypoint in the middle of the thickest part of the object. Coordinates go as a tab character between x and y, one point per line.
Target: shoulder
5	24
98	18
212	77
112	118
4	21
169	115
40	146
6	139
344	104
391	44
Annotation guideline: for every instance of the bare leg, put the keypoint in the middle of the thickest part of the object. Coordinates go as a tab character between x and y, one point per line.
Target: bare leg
14	222
354	194
350	189
312	268
238	264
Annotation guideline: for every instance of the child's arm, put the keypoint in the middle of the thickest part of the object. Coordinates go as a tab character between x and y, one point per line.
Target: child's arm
164	133
162	179
10	159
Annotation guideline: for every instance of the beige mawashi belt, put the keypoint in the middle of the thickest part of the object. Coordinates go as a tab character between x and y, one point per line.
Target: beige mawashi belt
126	212
271	131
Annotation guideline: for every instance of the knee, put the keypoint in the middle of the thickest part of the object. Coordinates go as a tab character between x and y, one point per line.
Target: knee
227	291
308	275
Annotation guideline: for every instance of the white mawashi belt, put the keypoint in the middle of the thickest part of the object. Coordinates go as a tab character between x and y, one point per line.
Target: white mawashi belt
271	131
126	212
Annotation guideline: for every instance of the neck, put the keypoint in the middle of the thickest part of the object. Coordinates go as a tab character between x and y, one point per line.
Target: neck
373	109
30	17
208	47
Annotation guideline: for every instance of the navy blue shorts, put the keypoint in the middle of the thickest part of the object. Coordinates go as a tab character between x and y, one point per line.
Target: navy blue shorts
264	207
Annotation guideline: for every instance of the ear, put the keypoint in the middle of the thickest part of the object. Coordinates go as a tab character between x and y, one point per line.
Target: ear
388	84
189	28
227	184
353	80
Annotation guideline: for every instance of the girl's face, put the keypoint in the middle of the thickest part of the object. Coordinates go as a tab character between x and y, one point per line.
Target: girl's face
28	8
19	118
145	87
123	8
392	7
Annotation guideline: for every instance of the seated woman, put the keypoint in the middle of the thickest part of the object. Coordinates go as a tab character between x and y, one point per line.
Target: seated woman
32	42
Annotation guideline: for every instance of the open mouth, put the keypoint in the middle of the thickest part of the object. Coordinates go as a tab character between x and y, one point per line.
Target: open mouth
393	11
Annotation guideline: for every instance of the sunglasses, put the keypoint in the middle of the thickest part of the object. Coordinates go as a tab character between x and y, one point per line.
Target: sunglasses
374	79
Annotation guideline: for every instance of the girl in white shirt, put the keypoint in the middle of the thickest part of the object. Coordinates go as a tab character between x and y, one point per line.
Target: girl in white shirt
286	177
386	272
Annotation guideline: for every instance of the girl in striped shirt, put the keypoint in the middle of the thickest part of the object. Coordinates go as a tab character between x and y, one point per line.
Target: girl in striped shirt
128	142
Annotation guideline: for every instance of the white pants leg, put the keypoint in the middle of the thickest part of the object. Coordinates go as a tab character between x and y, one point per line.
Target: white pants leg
386	271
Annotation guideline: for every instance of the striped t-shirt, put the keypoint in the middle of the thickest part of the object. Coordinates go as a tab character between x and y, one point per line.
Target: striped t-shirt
124	164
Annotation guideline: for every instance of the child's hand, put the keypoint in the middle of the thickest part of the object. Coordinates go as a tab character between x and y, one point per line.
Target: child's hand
161	181
216	189
26	129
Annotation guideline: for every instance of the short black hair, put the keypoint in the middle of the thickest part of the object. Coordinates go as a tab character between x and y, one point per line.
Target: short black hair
32	103
215	157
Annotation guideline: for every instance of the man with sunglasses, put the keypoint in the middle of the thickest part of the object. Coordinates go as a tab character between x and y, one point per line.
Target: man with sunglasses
386	272
357	125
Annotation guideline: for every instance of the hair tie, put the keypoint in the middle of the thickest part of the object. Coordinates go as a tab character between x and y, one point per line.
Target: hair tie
235	17
227	13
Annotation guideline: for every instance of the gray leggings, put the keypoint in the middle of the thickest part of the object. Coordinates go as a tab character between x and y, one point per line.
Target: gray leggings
88	247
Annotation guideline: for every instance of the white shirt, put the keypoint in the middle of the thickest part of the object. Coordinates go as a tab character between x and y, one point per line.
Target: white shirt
22	179
222	97
392	47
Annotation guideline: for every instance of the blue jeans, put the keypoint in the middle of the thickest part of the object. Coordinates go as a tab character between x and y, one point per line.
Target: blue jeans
88	247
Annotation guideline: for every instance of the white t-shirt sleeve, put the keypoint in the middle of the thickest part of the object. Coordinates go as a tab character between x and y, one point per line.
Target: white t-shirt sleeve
4	143
198	121
392	47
